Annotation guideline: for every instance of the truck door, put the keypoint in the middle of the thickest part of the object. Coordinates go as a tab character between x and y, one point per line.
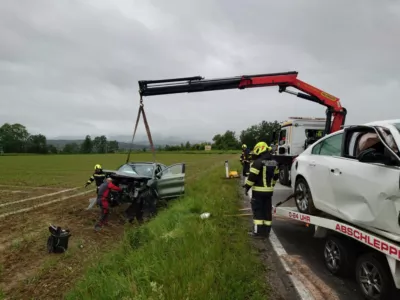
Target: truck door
283	141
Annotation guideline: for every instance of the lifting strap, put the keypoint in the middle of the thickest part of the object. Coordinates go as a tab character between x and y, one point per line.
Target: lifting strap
146	124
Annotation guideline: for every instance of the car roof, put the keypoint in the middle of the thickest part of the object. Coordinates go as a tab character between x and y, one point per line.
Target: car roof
141	162
384	122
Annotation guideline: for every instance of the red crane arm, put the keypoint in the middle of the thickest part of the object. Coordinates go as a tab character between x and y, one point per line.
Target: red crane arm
283	80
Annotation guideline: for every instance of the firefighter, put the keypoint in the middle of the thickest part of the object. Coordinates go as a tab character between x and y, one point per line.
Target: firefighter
264	173
245	160
97	176
103	198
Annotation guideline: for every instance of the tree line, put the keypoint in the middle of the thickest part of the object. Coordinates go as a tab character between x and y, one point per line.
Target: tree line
15	138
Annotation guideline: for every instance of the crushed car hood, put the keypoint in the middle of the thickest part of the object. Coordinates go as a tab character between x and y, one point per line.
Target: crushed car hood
118	174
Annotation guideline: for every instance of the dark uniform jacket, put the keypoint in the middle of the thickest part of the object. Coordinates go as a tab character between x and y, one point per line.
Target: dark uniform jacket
264	173
245	156
97	177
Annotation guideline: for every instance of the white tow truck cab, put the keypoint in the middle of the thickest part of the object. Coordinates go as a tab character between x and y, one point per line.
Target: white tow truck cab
295	135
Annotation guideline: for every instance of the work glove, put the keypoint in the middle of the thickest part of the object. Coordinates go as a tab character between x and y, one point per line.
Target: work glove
86	184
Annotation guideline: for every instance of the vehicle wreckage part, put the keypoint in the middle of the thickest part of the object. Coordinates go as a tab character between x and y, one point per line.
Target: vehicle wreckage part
45	204
57	242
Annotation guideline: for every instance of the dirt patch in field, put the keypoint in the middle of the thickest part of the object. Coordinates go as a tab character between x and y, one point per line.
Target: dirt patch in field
28	271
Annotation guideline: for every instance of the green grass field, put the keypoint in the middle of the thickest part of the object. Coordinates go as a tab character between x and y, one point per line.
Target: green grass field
176	255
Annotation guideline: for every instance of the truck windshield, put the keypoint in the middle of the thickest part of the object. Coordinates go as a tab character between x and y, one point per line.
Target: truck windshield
314	133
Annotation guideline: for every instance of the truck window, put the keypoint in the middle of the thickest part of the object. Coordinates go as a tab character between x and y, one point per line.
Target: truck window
314	133
282	137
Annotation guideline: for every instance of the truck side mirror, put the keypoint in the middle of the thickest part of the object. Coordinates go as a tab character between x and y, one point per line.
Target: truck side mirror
273	137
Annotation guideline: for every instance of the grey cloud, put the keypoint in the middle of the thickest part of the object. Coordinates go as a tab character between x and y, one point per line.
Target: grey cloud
71	67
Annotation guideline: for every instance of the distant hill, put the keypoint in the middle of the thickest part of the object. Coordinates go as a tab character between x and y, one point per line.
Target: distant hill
123	142
61	143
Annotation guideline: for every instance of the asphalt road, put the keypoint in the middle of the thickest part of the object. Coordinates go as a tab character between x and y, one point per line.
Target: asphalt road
306	255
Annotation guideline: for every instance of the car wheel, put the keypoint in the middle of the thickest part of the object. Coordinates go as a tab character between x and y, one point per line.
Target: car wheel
373	277
303	198
338	259
284	175
150	202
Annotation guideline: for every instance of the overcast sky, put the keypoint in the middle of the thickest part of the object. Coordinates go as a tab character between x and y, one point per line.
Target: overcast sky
71	67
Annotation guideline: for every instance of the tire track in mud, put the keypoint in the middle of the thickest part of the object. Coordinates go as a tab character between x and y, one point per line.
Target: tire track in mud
36	197
29	271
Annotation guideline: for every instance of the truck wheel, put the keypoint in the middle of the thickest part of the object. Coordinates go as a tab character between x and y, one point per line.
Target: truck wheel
374	277
284	175
304	200
338	259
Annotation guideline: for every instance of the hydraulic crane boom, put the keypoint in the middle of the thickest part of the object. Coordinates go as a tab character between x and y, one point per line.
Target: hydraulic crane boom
282	80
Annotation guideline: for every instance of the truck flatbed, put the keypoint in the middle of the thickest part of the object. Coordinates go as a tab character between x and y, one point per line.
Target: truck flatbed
326	227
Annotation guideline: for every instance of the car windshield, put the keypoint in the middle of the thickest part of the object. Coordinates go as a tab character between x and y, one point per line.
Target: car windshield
139	169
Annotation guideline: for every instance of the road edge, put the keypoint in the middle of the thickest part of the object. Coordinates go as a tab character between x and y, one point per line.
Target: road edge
302	292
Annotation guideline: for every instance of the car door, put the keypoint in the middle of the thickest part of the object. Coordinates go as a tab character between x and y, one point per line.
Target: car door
366	192
170	182
324	157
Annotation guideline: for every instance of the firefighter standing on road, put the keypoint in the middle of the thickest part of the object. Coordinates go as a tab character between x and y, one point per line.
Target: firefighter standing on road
264	173
103	198
245	160
97	176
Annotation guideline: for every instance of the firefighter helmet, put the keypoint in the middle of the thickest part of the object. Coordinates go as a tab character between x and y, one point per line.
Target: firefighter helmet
97	167
261	147
244	146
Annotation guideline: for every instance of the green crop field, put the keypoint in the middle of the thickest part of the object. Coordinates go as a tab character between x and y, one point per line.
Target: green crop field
176	255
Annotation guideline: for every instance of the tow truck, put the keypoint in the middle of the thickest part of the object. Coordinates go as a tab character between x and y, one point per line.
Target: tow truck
343	242
294	136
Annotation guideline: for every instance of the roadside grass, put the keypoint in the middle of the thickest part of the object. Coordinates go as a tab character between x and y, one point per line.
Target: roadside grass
74	170
178	255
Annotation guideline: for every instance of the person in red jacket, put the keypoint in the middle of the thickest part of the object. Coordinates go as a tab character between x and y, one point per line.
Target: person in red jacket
103	198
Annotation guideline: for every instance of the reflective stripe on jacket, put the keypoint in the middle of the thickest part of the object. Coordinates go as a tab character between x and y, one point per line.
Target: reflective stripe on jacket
264	173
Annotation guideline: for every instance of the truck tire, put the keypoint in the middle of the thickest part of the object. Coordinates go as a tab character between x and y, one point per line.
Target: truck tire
338	256
372	270
305	202
284	175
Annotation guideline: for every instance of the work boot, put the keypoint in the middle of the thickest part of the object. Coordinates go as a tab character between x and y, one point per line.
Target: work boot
97	227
